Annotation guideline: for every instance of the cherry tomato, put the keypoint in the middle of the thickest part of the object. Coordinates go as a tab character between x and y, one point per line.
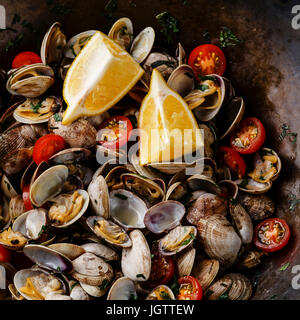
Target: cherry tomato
5	254
162	270
207	59
190	289
248	137
25	58
271	234
46	146
26	199
233	161
114	132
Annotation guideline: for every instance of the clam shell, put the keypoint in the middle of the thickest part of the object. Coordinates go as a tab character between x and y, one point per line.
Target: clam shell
70	250
7	188
5	216
127	209
122	289
182	80
161	288
254	187
142	44
144	171
93	291
164	216
185	262
121	32
219	240
77	292
219	288
48	184
180	54
136	260
176	191
101	251
230	188
70	155
205	271
16	207
71	49
201	182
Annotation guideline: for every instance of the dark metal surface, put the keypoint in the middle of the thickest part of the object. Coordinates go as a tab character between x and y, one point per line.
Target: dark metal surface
265	70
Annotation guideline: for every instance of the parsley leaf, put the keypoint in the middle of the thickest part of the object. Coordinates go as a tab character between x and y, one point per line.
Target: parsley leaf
165	296
104	284
57	117
284	267
140	275
202	87
169	25
293	202
228	38
121	196
175	286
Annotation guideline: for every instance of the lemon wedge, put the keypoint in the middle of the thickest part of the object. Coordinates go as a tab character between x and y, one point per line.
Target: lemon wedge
169	129
98	78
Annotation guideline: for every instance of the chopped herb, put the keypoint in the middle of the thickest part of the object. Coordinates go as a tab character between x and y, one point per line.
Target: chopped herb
58	269
203	78
228	38
187	241
73	51
14	42
152	256
110	8
202	87
95	222
225	295
209	293
244	183
36	107
169	25
293	202
175	286
233	201
104	284
286	132
74	285
140	275
273	297
121	196
165	296
133	297
16	19
57	117
284	267
7	184
162	62
262	178
43	229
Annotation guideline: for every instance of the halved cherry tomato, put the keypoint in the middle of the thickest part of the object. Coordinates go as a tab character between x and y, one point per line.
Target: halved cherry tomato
25	58
26	199
162	270
190	289
46	146
233	161
114	132
207	59
248	137
271	234
5	254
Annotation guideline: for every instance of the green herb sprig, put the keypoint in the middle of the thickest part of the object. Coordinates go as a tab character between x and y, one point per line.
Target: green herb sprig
228	38
286	132
293	202
169	25
110	8
284	267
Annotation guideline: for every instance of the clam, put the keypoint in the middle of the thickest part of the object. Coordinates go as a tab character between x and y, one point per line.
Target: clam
5	212
94	291
164	216
122	289
12	240
144	171
180	54
258	206
201	182
249	259
70	250
66	209
17	160
177	239
142	44
185	261
14	292
210	138
101	251
43	282
219	289
223	173
64	67
31	81
161	292
99	196
136	260
31	223
251	186
207	99
91	270
48	258
182	80
176	191
109	231
75	44
53	44
127	209
219	239
145	188
122	32
230	116
114	177
242	222
206	205
77	292
48	184
104	154
230	188
16	207
71	155
205	271
171	167
35	110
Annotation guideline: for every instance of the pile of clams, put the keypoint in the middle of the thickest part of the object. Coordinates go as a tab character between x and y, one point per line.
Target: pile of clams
102	231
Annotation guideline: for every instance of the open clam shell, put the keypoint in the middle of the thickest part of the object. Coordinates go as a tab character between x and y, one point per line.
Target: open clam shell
57	201
75	44
53	44
161	292
177	239
136	260
12	240
144	171
21	277
70	250
122	289
31	81
101	251
251	186
127	209
230	188
180	54
48	184
122	32
142	44
164	216
109	231
176	191
201	182
48	258
70	155
182	80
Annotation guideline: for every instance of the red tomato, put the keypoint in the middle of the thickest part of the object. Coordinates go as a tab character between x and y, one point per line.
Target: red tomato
4	254
207	59
46	146
233	161
190	289
162	270
248	137
114	132
271	234
26	199
25	58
